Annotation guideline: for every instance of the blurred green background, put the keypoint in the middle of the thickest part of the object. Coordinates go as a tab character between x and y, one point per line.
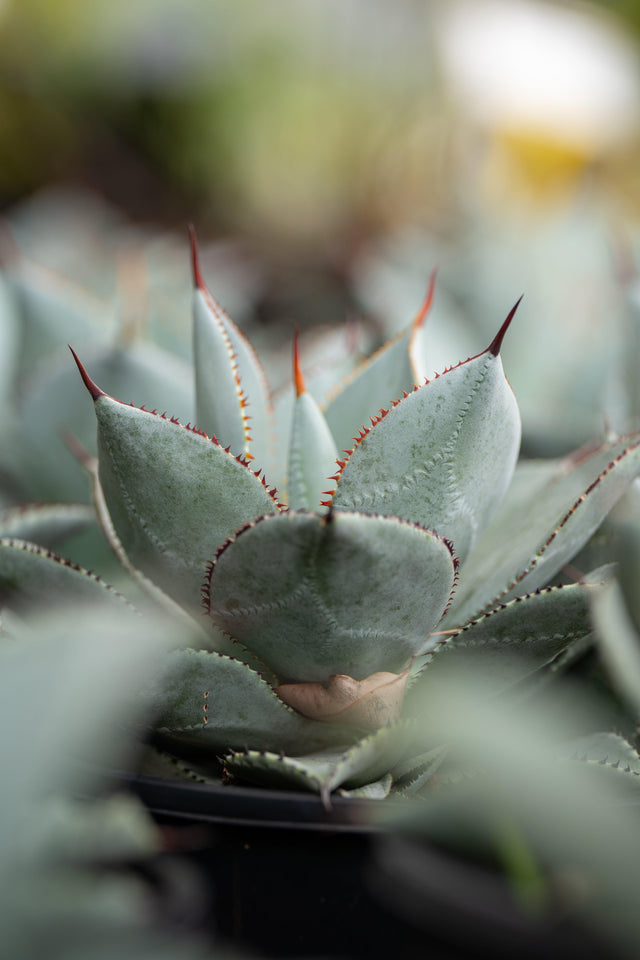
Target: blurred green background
315	120
306	130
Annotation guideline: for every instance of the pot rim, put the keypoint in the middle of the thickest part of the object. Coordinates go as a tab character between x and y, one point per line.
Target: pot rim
252	806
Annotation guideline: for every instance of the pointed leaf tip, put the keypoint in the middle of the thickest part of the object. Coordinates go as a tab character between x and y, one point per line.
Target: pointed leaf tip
298	378
496	343
195	260
92	387
428	301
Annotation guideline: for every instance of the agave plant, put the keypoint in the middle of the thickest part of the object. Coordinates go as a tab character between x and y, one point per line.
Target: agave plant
409	542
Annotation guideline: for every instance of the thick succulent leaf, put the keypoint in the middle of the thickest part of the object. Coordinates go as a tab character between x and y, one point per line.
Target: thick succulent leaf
44	523
141	373
367	761
312	455
623	533
159	763
33	578
55	311
602	748
331	354
442	457
349	594
377	382
610	755
377	790
213	702
374	385
150	597
9	346
542	524
618	641
173	494
416	773
232	397
512	641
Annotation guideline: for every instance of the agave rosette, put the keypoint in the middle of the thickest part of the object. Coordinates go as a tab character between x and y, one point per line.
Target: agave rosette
431	548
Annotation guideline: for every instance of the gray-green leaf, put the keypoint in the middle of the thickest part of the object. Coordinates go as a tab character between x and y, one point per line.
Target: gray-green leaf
442	457
33	578
174	495
213	702
512	641
546	517
349	594
232	398
367	761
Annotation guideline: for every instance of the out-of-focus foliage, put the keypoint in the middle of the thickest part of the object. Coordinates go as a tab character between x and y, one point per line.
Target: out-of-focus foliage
319	120
73	871
563	823
286	115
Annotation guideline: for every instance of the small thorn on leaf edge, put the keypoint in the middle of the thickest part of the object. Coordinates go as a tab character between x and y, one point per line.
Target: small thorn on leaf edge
298	378
92	387
496	343
427	302
195	260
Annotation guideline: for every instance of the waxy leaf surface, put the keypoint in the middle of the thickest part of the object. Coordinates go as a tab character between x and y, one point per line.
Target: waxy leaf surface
322	772
442	457
375	384
216	702
546	517
312	455
349	594
512	641
139	373
609	757
618	641
174	495
45	524
32	578
231	391
378	381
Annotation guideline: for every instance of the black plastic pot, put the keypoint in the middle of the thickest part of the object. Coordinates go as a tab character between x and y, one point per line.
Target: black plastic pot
286	876
283	876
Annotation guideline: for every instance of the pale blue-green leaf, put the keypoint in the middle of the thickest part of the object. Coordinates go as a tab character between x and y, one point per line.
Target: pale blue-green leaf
32	578
211	702
373	386
338	594
45	523
108	828
312	455
323	771
623	535
174	495
9	346
511	642
159	763
610	756
54	402
617	640
378	790
232	397
602	748
54	311
543	523
146	594
443	457
333	354
413	774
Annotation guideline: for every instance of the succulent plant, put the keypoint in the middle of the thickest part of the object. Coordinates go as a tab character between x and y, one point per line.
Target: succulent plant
410	543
